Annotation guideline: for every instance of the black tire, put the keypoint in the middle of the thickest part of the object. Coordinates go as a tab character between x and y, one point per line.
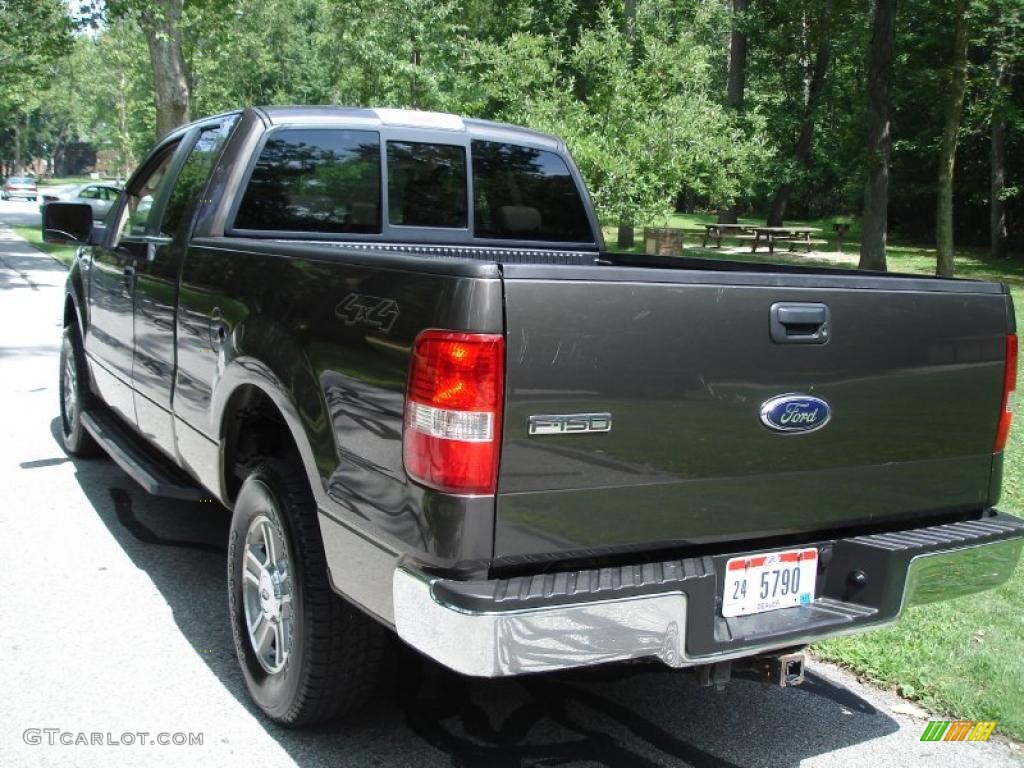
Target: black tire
336	652
76	439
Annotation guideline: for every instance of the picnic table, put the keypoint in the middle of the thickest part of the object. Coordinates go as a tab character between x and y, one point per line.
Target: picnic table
758	236
717	230
794	236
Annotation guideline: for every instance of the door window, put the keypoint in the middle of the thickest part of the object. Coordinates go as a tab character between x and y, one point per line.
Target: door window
191	182
135	215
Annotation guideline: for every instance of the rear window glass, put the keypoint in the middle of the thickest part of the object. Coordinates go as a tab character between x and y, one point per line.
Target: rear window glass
523	193
426	185
315	180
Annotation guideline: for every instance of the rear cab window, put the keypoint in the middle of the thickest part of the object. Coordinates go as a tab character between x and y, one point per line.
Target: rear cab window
376	185
522	193
427	185
315	180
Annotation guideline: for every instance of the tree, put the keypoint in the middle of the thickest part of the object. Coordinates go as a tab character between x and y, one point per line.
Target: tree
736	81
1004	42
814	82
161	22
625	237
34	34
956	87
874	222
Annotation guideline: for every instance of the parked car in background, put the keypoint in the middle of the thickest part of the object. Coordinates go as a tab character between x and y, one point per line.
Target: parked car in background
20	186
99	197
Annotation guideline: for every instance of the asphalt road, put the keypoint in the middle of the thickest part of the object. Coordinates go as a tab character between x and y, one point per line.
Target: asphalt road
21	212
114	622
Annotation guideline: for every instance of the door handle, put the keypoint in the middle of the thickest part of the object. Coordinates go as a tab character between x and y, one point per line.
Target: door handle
799	323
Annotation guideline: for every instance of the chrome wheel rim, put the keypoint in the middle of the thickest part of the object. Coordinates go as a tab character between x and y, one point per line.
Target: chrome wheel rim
267	594
70	388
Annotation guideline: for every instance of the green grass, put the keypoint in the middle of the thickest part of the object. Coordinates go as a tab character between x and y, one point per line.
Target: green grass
64	253
57	181
903	255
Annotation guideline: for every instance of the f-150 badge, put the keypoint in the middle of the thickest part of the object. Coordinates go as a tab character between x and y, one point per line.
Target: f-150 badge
570	423
795	413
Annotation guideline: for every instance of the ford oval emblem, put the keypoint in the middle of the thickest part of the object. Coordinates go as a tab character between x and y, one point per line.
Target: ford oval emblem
795	413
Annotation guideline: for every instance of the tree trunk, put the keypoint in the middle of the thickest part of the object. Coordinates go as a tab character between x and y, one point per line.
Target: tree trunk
947	151
161	21
997	206
737	81
629	19
737	57
815	85
626	237
874	221
17	146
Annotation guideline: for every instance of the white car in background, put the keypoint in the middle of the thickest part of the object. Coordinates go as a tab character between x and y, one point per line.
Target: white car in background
100	197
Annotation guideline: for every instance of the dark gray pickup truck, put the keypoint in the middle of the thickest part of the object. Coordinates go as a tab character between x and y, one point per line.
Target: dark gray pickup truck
393	345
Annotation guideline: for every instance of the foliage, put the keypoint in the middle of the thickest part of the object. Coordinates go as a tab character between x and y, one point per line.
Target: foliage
643	113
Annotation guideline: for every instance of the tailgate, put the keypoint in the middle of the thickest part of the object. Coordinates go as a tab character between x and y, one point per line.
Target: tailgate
910	375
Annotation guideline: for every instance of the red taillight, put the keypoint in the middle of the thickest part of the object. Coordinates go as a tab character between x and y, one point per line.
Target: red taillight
1009	389
453	411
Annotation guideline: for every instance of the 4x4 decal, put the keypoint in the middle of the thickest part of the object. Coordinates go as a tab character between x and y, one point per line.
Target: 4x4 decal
372	311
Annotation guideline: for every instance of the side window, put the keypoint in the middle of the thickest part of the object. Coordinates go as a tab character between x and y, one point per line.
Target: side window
523	193
90	193
192	180
135	214
426	184
315	180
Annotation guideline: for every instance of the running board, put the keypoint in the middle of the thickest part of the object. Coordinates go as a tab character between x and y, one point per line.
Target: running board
145	465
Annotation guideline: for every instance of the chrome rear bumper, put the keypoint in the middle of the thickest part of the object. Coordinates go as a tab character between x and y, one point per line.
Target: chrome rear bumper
670	619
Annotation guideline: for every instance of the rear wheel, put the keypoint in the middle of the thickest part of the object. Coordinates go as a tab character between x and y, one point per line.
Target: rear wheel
74	396
306	654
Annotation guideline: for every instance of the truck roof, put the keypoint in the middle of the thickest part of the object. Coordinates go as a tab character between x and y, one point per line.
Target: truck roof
410	118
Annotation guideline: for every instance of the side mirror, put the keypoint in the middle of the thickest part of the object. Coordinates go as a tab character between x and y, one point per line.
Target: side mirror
69	223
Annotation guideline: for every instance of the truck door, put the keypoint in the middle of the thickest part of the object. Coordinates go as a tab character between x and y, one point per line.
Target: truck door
156	283
110	342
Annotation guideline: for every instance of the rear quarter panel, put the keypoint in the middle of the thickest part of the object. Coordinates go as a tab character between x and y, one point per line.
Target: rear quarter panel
328	336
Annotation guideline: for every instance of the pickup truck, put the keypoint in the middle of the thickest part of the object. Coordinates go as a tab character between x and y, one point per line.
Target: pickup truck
393	345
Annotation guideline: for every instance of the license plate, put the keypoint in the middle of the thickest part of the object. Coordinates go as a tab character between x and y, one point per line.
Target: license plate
767	582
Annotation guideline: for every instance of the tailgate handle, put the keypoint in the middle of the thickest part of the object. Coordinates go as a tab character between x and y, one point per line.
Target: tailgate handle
800	323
